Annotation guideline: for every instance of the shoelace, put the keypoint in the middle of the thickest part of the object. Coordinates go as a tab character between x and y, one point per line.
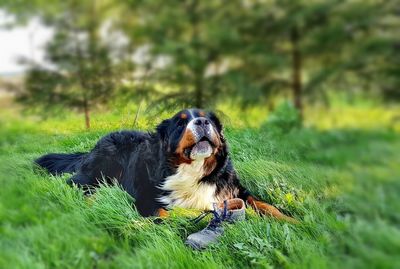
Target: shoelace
218	218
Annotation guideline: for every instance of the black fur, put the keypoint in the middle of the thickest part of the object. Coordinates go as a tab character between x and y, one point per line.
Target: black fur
141	161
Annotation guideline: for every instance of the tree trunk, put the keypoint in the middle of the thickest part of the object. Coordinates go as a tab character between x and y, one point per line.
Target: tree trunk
297	86
198	70
87	113
199	92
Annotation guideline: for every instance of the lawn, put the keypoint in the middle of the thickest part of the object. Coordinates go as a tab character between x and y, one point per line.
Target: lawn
339	175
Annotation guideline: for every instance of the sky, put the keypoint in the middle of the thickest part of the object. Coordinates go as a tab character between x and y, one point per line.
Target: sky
22	41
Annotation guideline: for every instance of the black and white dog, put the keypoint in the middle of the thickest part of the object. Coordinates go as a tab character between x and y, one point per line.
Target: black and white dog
184	163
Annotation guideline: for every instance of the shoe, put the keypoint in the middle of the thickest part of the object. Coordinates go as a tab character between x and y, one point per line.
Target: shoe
230	211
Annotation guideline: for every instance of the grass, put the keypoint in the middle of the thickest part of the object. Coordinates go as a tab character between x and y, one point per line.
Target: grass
342	181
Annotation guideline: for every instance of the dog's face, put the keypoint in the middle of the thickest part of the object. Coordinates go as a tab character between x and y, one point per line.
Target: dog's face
192	134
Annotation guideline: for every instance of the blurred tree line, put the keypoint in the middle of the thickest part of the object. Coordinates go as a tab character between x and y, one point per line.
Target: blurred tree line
197	53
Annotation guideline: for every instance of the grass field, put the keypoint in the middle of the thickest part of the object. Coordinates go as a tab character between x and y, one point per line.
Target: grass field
340	176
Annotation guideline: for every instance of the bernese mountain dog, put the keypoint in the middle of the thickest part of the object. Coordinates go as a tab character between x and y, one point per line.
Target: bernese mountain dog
184	163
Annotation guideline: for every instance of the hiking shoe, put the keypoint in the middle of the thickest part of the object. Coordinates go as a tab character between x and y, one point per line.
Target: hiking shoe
230	211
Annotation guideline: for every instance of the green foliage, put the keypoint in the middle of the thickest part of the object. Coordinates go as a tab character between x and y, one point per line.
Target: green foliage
284	119
185	44
111	209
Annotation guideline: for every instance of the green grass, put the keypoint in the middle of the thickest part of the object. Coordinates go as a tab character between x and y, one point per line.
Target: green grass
343	183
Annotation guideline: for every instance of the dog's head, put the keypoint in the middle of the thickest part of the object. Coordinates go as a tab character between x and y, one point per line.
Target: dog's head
193	134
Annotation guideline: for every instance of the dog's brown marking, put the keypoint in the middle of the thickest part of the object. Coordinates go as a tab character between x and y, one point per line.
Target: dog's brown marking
183	116
216	140
268	210
162	213
202	113
209	164
186	141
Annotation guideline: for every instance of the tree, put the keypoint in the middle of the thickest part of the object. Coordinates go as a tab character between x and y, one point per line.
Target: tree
79	72
298	45
186	42
379	55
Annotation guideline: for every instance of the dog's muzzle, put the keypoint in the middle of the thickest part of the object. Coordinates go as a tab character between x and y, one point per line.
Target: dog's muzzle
203	133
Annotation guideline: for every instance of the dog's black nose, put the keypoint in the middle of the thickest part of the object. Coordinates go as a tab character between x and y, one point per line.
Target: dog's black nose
201	121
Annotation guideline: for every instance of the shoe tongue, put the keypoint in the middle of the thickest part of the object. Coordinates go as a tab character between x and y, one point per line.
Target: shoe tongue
216	207
216	220
222	212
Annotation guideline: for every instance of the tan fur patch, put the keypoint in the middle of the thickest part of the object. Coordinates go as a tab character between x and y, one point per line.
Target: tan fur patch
216	139
269	210
209	164
186	141
162	213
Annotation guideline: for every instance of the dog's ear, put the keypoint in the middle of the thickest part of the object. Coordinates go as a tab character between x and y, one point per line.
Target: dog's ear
162	128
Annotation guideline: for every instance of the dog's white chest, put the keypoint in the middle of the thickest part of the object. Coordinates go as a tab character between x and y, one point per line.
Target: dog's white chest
186	190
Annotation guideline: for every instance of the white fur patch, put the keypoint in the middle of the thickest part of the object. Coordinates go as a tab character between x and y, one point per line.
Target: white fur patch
186	190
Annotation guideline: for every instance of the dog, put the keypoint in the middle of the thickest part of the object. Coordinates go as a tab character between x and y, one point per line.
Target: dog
184	163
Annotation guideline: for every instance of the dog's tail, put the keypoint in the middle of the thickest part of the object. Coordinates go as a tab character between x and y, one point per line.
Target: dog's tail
58	163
